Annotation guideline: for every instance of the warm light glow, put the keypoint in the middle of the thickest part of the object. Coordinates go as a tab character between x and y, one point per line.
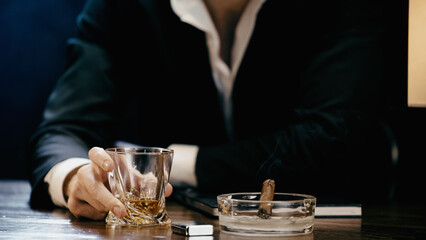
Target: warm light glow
417	54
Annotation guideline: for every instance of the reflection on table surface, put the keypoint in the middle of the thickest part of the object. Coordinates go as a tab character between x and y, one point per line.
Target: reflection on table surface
19	221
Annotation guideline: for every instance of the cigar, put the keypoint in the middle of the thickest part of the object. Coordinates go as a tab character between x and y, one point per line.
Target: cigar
265	209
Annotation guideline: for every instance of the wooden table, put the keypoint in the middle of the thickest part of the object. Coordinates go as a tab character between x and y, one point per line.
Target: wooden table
19	221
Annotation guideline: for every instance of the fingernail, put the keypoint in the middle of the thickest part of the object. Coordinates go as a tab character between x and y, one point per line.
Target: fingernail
118	212
105	165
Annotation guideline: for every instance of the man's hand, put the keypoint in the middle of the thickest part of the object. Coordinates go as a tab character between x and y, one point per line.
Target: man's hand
87	192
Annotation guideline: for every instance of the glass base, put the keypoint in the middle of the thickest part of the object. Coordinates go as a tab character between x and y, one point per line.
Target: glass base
161	219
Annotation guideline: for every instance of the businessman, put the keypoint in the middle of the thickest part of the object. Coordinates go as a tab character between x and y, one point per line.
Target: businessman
242	90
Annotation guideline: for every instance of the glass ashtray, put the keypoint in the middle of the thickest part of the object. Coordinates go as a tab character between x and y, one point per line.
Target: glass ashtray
288	214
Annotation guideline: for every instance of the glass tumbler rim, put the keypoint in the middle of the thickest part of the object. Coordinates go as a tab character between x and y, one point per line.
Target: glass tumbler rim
140	150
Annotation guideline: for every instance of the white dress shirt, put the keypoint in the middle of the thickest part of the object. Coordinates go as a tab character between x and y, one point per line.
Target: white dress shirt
195	13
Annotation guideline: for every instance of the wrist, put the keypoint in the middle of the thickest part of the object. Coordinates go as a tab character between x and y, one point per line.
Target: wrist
55	178
69	182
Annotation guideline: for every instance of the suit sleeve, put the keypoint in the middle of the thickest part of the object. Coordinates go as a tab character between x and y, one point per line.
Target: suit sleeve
79	112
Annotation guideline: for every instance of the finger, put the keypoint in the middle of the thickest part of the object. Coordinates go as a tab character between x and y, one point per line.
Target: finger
101	158
100	175
103	200
92	191
169	189
82	209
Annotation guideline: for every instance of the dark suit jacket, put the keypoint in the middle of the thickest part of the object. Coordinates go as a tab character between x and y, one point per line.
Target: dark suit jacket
307	96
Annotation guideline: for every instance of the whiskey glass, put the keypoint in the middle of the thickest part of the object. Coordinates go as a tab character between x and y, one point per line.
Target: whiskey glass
138	180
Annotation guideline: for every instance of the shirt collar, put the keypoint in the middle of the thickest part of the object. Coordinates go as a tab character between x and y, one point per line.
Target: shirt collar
193	12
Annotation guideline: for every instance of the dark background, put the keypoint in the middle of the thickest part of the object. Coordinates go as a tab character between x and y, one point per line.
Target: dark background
33	36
